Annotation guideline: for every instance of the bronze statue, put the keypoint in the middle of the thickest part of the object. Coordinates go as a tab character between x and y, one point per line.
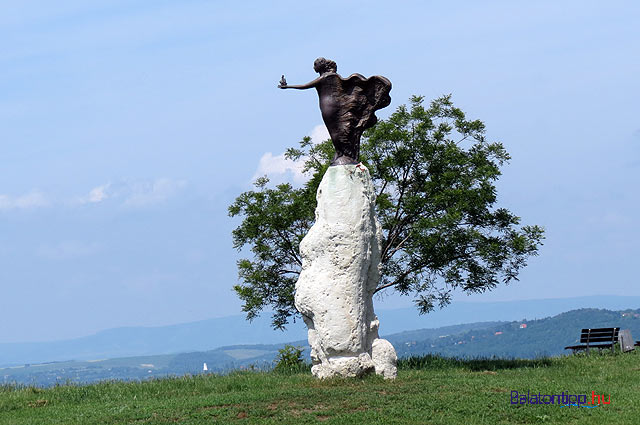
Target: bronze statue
347	106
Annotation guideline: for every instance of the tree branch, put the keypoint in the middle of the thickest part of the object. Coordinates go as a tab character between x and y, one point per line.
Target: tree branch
397	227
289	247
402	276
284	271
399	246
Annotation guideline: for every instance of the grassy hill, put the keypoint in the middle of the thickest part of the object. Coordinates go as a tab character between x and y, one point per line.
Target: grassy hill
428	390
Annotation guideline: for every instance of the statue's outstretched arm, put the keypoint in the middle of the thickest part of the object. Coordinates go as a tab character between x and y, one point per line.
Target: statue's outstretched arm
309	85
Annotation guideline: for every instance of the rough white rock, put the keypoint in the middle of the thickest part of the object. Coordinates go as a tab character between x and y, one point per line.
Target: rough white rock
340	271
384	358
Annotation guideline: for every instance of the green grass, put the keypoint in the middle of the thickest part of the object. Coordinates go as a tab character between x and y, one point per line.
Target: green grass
428	390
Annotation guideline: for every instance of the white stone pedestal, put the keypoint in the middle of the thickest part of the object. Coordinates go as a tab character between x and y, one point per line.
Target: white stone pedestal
340	271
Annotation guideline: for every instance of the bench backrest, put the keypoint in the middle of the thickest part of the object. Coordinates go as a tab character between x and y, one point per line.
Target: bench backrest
593	336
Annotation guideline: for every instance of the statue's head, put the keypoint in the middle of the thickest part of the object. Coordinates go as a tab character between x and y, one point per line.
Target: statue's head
322	65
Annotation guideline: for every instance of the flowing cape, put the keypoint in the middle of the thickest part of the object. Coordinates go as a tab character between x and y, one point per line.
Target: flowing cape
362	97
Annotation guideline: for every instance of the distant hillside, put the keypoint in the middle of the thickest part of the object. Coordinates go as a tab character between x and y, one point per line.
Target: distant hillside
542	337
143	367
523	339
233	330
142	341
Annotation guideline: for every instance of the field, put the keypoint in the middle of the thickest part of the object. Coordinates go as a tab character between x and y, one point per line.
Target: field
428	390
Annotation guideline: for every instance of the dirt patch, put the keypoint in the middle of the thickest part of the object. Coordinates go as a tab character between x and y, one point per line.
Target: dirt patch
38	403
306	410
219	406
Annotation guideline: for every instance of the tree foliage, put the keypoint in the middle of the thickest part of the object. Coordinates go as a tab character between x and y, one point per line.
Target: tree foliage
434	174
289	360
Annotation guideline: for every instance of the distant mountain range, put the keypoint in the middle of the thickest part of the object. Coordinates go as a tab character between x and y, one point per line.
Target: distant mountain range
522	338
207	335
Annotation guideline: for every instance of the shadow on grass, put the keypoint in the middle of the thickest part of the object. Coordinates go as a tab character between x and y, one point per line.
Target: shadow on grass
432	362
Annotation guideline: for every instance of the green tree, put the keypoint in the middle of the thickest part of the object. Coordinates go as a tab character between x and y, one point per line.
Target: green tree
434	174
289	360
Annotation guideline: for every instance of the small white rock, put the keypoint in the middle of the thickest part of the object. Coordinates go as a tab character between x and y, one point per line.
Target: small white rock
384	358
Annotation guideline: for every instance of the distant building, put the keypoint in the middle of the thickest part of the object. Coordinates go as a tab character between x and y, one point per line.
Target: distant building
523	326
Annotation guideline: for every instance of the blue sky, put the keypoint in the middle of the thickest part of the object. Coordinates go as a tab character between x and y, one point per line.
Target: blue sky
128	127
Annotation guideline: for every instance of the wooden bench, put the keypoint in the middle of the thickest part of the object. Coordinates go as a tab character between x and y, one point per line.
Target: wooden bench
596	338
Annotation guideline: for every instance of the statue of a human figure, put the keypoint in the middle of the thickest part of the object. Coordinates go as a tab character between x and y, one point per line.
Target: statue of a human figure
347	106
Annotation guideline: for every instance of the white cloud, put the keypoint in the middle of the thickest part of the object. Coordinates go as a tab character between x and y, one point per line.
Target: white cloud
319	134
148	193
98	194
30	200
138	193
279	168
